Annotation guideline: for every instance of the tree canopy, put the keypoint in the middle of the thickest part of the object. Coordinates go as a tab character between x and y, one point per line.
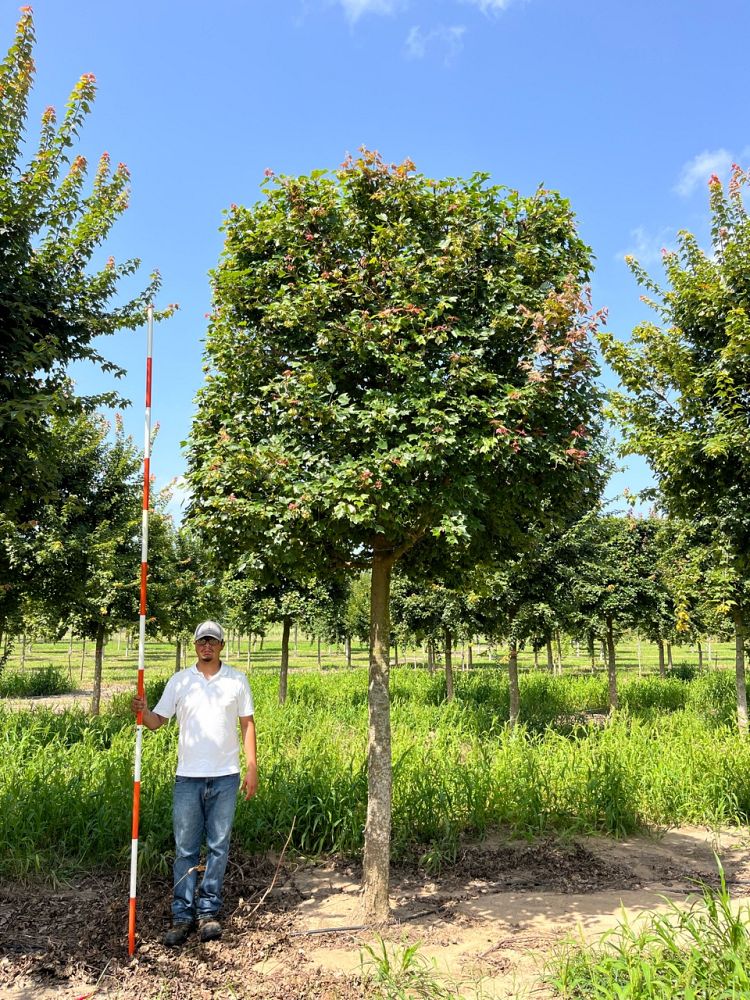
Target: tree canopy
686	385
54	301
394	362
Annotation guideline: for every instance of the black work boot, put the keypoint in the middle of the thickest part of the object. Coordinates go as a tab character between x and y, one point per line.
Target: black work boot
178	933
209	929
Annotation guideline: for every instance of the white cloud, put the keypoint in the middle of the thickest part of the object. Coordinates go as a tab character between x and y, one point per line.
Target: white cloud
647	247
354	9
448	38
698	170
490	6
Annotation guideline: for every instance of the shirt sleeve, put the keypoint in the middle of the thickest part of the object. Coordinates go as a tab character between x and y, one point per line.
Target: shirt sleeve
167	704
245	705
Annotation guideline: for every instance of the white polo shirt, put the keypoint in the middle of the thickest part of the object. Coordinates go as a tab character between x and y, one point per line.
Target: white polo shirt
207	710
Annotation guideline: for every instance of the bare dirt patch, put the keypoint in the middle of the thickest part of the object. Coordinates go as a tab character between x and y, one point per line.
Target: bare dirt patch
491	919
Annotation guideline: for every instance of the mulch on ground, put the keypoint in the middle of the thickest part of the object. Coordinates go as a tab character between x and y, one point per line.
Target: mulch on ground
54	938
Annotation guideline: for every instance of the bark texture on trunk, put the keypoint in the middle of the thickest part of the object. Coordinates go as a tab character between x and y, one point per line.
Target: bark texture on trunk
558	643
395	654
284	674
700	656
662	664
739	669
515	695
448	665
550	657
177	655
430	656
377	855
670	661
611	667
348	649
96	695
469	656
592	652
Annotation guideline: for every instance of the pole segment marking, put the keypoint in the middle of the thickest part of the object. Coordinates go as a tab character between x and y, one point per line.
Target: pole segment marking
141	637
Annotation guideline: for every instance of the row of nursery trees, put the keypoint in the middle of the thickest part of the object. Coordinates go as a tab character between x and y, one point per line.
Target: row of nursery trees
76	569
401	380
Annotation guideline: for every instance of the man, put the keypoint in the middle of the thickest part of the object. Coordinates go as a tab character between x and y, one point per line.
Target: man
209	699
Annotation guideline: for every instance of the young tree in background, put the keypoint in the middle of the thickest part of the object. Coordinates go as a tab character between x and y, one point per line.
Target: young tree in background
81	557
393	361
52	305
183	589
687	392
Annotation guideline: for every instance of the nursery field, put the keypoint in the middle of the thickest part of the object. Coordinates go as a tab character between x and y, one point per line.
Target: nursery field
669	757
570	773
75	658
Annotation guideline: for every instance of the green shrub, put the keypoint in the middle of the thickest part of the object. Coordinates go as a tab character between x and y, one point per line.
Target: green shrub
37	683
641	694
683	671
713	696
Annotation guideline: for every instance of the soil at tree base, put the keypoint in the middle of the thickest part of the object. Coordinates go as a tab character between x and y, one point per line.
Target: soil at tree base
60	941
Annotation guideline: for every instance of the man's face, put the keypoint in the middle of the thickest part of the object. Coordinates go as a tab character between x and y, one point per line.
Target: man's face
208	649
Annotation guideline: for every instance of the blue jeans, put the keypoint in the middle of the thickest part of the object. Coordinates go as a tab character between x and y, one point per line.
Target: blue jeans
201	806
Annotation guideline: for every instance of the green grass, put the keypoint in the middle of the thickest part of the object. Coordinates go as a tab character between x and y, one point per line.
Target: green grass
701	950
669	757
392	972
48	680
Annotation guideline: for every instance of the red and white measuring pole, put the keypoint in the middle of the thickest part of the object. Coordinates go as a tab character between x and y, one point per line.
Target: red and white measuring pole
141	639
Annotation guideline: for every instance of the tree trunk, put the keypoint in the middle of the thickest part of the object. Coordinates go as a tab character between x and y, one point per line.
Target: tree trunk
320	662
550	657
377	855
611	667
430	656
536	658
296	641
23	651
348	650
83	656
670	661
739	667
177	655
249	648
515	697
395	653
469	656
700	656
558	642
662	666
96	695
448	665
640	660
285	630
70	654
592	652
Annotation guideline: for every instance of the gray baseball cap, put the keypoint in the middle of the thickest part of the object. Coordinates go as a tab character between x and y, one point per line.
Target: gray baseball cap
209	630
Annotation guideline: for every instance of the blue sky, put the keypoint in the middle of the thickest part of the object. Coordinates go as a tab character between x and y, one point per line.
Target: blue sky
624	107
